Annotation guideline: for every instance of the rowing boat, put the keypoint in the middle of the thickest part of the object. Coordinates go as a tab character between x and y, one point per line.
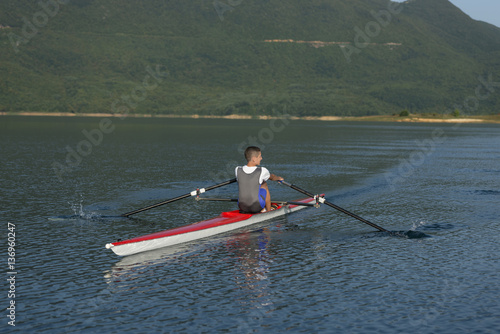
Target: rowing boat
225	222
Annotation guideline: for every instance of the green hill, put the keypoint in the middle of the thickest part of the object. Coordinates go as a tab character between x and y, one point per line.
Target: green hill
376	57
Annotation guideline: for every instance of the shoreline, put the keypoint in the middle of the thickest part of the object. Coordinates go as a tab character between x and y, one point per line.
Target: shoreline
379	118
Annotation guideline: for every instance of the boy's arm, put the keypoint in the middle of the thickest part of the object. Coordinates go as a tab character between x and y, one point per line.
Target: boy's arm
275	178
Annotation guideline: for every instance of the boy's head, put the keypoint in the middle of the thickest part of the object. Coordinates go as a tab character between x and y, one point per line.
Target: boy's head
251	151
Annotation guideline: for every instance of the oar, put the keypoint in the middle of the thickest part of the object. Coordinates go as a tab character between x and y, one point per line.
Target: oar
192	193
322	200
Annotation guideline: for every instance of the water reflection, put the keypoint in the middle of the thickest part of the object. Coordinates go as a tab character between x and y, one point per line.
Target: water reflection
253	261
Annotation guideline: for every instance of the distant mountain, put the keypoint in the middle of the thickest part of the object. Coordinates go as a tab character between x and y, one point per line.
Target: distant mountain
311	58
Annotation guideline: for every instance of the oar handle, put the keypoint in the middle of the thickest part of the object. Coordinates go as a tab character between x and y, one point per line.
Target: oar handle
335	207
192	193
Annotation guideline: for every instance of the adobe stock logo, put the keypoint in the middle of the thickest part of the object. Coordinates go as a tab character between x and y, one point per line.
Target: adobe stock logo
264	137
221	7
120	107
40	19
372	29
425	148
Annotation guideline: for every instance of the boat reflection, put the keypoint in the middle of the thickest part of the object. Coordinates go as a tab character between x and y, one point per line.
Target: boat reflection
130	266
251	273
250	249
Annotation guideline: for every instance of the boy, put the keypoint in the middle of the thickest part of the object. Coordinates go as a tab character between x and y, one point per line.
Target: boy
253	191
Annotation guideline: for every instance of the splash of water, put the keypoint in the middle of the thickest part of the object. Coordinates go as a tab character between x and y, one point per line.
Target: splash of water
79	211
418	225
413	233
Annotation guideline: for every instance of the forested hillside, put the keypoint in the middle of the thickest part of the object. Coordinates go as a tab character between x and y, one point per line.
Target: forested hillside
312	58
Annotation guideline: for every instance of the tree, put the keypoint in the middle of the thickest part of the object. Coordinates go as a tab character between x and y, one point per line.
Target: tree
404	113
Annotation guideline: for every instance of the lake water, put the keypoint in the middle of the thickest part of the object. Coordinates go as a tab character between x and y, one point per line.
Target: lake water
64	181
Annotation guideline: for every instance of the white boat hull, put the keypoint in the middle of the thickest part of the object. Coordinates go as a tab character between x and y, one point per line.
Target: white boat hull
156	241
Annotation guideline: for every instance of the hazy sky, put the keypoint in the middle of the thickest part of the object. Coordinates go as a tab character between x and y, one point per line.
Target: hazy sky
482	10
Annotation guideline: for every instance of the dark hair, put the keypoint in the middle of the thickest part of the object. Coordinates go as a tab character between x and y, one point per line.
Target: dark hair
251	151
